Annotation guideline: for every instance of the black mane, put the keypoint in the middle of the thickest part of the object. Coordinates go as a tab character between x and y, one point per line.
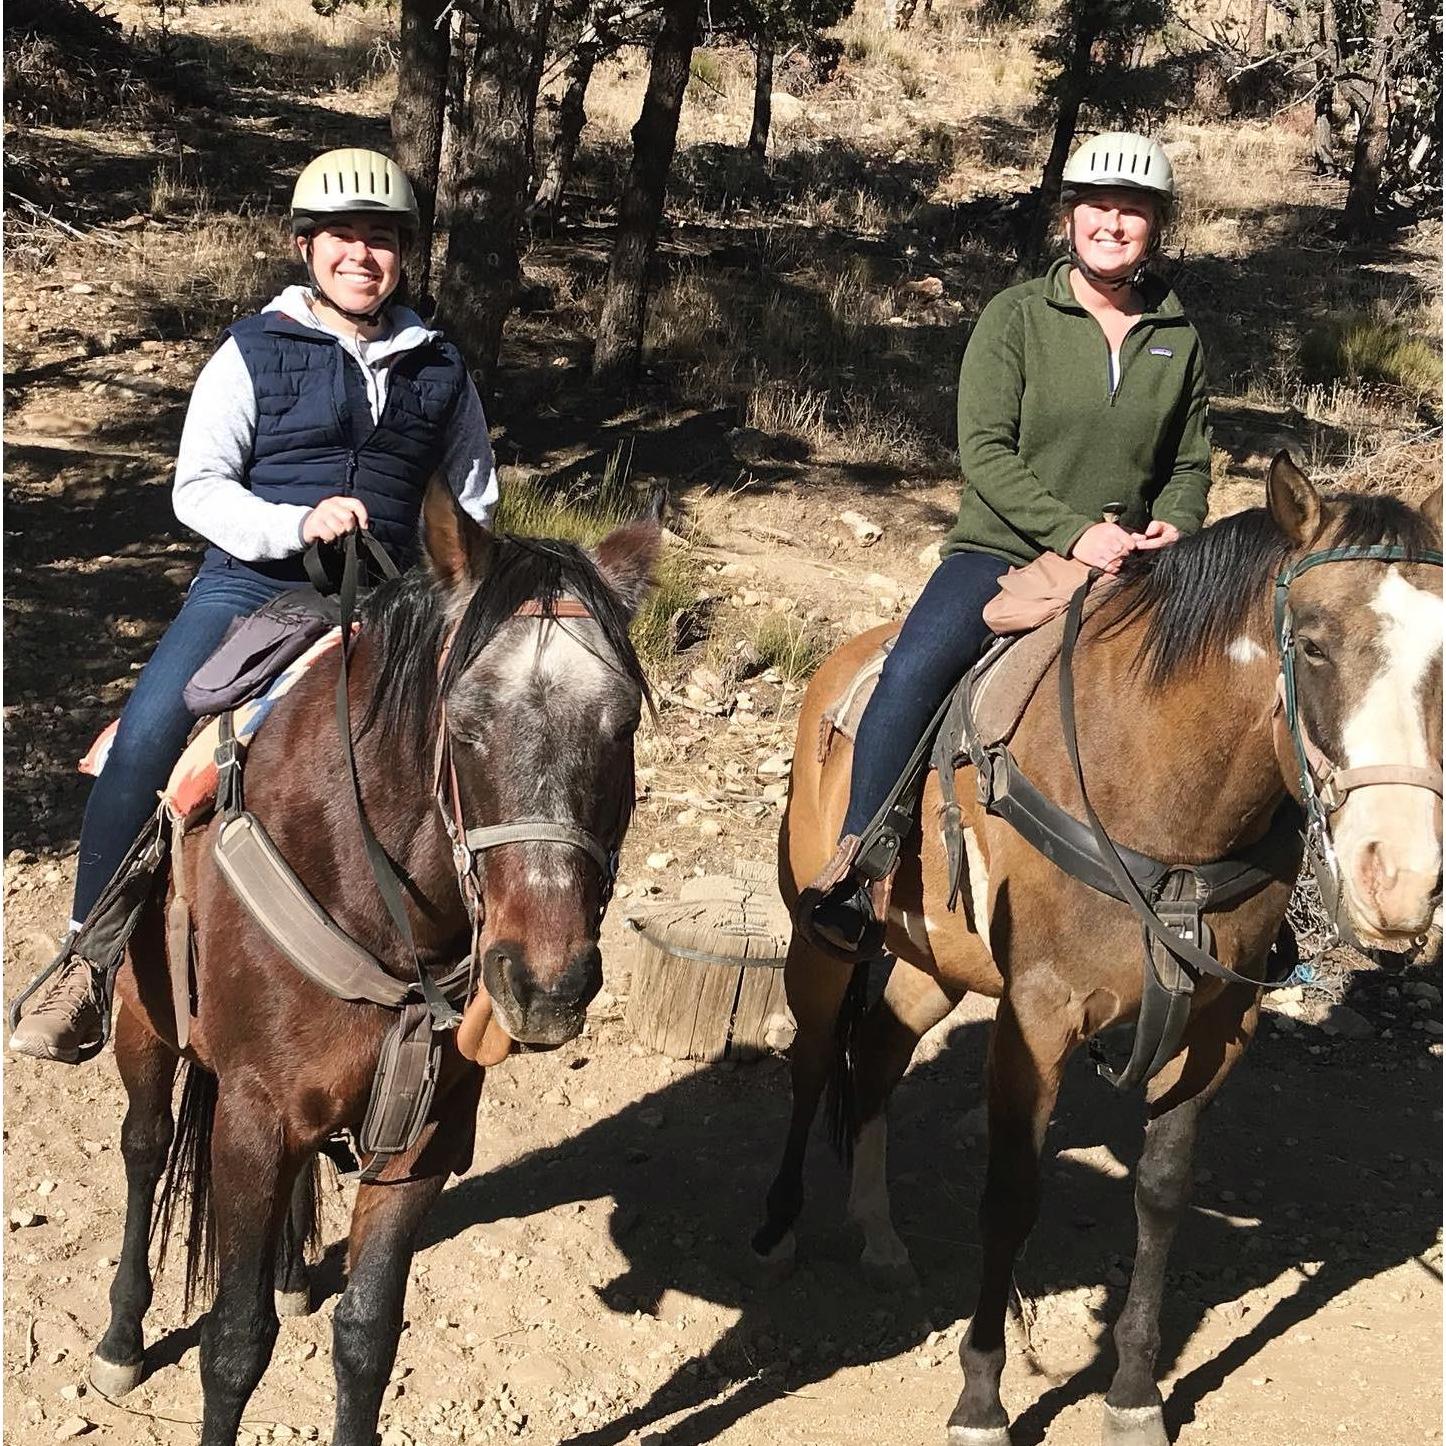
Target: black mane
1201	593
408	617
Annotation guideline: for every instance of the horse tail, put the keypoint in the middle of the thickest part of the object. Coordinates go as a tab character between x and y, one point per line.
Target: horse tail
842	1091
187	1183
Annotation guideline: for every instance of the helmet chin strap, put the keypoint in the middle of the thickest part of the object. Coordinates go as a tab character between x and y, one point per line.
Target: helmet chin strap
1110	283
366	318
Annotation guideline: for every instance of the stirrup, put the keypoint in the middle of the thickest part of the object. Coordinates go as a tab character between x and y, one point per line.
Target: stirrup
105	994
840	869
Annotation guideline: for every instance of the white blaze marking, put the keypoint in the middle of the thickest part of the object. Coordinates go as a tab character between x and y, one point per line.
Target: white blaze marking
869	1197
554	654
1245	650
1389	726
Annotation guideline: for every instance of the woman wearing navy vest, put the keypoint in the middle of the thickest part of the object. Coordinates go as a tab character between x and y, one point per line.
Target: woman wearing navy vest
327	411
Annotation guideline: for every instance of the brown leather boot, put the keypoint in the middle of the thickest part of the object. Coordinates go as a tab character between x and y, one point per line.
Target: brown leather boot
69	1019
841	914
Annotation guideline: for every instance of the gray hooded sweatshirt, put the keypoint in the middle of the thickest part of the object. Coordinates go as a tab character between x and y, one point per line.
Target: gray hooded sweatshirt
210	495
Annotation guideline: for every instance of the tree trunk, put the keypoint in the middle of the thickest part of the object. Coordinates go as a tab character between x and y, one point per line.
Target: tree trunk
1072	83
424	54
640	208
1255	29
492	167
571	118
1327	67
1359	217
762	95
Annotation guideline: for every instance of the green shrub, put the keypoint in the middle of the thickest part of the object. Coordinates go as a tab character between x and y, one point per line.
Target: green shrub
791	646
585	515
1357	348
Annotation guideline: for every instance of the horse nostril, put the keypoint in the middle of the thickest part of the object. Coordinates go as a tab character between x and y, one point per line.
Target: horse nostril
506	964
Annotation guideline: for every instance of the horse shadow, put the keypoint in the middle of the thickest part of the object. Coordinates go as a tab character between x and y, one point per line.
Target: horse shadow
686	1167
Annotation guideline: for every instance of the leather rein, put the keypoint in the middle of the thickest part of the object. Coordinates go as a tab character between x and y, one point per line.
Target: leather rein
469	842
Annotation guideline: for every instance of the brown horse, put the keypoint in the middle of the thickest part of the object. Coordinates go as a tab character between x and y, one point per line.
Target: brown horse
526	644
1184	760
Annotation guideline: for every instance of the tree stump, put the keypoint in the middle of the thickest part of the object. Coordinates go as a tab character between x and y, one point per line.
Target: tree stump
707	982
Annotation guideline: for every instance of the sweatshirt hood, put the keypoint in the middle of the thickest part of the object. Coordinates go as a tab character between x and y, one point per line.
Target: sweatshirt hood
408	330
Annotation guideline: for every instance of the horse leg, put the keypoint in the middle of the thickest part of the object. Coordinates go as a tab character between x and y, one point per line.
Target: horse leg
1024	1071
251	1180
816	987
293	1286
913	1002
1176	1098
368	1321
148	1071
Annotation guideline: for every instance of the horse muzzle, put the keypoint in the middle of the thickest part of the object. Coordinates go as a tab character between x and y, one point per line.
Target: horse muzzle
537	1007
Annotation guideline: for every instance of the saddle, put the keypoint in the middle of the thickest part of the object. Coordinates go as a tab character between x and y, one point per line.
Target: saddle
1001	684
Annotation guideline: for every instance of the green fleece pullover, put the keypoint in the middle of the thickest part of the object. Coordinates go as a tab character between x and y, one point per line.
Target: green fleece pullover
1045	446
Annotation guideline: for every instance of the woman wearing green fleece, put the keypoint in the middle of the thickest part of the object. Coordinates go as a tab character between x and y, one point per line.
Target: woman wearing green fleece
1082	393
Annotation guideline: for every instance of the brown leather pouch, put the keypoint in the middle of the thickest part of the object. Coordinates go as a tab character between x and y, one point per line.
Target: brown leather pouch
1034	594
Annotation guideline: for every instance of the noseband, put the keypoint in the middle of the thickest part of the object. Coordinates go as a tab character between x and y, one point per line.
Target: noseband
1324	784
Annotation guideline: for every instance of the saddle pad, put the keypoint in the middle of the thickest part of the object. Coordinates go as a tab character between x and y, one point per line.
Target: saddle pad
1008	676
192	783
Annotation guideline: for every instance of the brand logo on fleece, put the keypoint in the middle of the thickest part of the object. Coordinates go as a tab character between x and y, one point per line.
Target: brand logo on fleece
1161	351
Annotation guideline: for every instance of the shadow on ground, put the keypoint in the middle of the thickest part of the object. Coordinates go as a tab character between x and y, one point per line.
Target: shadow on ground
1356	1185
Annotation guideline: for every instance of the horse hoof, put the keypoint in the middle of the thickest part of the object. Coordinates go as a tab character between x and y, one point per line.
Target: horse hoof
777	1265
889	1276
1133	1426
293	1302
113	1380
978	1436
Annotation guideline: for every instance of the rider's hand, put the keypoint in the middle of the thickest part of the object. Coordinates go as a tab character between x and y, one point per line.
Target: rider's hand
331	518
1157	534
1105	546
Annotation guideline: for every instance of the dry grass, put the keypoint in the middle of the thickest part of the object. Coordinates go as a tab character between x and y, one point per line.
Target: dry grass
285	41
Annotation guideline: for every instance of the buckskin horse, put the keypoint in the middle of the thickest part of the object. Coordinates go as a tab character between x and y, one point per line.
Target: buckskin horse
512	656
1185	757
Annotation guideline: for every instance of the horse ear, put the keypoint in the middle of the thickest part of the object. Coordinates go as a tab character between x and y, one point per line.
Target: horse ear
457	549
626	559
1293	501
1431	510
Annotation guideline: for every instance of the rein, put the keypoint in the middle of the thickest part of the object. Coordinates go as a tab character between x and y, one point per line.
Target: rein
1324	784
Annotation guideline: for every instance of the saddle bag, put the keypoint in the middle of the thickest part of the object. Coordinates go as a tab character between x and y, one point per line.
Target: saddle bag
402	1090
258	647
1034	594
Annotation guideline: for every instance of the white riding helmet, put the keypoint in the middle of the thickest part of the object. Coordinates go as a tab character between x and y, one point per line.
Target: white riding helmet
349	182
1123	160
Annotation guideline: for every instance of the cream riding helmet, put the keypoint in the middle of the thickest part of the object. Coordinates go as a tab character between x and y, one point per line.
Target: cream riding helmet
1119	161
350	182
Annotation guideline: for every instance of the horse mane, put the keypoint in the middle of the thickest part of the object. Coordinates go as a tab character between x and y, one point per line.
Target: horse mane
1197	596
408	616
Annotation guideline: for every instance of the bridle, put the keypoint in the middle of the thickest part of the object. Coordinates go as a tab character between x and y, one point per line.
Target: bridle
1324	784
469	842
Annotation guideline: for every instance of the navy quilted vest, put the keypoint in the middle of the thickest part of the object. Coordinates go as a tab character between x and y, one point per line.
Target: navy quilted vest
315	437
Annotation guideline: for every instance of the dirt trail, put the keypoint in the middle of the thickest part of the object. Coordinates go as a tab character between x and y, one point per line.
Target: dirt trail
587	1280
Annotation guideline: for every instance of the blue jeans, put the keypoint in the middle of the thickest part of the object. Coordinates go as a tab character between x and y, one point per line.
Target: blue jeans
942	636
156	723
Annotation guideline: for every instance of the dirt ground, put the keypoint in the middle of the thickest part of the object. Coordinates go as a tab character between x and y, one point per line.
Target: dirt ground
588	1281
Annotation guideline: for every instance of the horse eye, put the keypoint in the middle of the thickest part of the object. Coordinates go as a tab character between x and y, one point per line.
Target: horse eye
1313	650
625	729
